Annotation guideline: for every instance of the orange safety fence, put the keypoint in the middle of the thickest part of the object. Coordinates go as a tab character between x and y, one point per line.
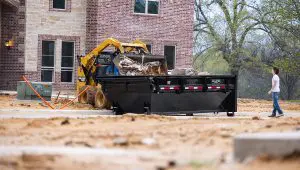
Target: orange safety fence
47	103
67	104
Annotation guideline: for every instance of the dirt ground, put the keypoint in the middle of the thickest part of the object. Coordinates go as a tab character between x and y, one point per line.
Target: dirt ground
180	144
11	102
199	143
252	105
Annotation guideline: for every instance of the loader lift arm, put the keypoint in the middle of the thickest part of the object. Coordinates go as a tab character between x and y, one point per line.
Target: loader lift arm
86	63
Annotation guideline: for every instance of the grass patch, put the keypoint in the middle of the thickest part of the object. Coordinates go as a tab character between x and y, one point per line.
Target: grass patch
200	164
196	164
293	101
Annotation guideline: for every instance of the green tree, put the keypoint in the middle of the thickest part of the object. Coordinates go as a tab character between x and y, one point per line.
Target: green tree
290	69
282	23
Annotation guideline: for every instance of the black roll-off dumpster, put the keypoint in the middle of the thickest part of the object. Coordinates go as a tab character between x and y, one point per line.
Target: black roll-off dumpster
171	94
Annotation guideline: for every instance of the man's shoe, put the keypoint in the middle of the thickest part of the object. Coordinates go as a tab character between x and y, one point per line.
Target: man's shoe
280	115
272	115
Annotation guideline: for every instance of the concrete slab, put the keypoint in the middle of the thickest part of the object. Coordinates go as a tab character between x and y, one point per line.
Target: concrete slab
48	114
240	115
4	92
19	150
63	94
55	111
273	144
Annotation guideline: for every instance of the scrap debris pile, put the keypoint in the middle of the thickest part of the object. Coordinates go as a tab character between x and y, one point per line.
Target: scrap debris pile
186	72
154	67
129	67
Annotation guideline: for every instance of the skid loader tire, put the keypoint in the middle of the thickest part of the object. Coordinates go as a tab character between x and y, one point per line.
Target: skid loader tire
83	98
91	93
101	101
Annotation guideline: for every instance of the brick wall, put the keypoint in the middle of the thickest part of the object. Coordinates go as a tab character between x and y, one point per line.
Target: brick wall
91	24
45	23
172	26
1	46
14	3
12	61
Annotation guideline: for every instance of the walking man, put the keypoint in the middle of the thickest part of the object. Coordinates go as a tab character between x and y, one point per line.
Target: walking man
275	90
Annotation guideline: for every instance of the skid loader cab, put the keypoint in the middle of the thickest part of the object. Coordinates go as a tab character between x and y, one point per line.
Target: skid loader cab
105	66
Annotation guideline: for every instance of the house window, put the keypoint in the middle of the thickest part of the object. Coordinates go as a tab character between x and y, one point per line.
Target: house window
146	6
67	62
59	4
47	69
149	47
170	54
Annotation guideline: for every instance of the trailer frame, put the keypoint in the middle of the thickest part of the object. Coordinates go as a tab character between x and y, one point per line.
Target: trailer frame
170	95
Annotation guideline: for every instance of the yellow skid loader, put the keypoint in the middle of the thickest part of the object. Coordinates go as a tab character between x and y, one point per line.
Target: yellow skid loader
125	59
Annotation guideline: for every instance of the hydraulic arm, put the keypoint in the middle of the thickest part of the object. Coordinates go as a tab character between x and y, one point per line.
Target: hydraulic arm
87	64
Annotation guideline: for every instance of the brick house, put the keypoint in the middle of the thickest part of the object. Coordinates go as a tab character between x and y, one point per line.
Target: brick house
47	35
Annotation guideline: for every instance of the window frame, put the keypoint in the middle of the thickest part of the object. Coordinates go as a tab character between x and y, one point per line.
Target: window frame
63	9
54	59
175	54
146	8
66	68
68	6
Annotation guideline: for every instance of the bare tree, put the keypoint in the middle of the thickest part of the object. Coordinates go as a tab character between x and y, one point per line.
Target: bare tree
239	20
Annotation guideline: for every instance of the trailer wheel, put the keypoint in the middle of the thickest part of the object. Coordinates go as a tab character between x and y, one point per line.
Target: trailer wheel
230	114
117	111
147	111
91	95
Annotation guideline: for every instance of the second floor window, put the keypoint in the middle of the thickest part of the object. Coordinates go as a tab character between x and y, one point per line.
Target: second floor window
146	6
59	4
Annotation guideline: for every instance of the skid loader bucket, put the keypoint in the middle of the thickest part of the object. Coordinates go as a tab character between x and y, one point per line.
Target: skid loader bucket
131	64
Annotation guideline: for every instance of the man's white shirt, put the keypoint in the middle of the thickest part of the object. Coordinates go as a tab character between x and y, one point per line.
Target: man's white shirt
276	80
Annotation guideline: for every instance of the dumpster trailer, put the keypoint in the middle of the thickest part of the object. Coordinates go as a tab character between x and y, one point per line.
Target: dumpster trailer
171	94
131	80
